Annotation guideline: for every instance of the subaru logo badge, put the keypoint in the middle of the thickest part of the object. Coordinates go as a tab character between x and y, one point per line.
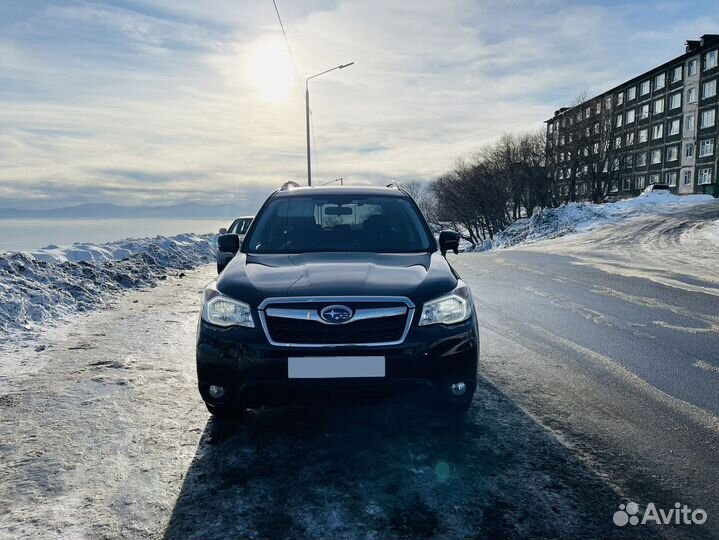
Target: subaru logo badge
336	314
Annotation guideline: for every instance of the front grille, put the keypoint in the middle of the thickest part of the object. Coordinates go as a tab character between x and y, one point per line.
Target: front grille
381	330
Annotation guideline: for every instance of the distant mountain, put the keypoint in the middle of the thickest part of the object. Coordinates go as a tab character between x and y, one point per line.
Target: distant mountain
114	211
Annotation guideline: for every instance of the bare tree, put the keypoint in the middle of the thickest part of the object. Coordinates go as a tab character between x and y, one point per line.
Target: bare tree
589	156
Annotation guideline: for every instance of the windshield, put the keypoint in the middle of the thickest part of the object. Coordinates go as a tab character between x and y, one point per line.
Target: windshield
340	223
242	225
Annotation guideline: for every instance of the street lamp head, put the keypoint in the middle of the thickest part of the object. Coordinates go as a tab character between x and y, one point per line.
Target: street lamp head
342	66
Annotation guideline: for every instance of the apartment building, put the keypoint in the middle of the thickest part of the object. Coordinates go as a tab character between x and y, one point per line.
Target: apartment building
658	127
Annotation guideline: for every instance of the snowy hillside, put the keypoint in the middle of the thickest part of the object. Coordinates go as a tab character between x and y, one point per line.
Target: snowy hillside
39	288
582	217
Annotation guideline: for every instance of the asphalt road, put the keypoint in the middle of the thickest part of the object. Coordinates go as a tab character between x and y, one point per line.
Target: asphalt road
597	386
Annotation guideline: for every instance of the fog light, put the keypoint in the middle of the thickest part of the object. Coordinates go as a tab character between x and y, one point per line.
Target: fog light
217	391
459	388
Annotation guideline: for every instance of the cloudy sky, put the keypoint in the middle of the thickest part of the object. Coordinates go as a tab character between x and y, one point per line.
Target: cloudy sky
158	101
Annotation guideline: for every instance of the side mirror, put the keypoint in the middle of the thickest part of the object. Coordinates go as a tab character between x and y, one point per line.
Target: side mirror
229	243
448	240
223	230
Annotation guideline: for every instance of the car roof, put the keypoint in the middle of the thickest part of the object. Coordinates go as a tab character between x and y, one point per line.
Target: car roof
340	190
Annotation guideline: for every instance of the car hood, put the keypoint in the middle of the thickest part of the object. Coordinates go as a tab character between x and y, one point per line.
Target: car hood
418	276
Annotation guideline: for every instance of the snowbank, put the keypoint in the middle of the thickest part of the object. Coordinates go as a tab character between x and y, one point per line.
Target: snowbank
581	217
38	288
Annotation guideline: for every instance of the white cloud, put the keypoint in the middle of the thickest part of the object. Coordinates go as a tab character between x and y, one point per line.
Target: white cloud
103	102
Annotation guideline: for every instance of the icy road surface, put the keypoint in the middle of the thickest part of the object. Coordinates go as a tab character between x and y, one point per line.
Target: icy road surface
597	385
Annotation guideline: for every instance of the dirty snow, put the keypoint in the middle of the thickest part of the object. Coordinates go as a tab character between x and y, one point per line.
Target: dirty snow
582	217
40	288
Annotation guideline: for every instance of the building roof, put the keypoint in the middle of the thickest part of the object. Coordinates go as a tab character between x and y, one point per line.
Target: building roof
693	47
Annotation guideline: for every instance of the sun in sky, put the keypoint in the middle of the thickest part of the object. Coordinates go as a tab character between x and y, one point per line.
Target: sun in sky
271	71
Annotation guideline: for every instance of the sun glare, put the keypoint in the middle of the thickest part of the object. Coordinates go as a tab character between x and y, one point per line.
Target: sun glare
271	71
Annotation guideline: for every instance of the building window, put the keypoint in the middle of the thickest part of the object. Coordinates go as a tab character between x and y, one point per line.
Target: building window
644	88
672	153
598	107
561	141
608	102
675	100
587	112
673	127
659	81
618	142
615	164
630	116
705	176
690	122
595	148
708	118
692	67
657	131
710	60
644	111
631	93
640	182
706	147
659	106
671	179
656	157
620	98
687	178
596	128
628	162
709	89
630	138
677	74
619	120
579	116
689	150
653	178
626	184
643	135
691	95
642	159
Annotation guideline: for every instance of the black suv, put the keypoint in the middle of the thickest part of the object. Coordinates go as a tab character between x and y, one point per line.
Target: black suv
337	294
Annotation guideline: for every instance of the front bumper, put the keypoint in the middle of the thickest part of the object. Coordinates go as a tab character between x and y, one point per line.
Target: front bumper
254	373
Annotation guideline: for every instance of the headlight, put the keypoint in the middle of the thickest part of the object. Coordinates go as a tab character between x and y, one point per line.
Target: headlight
221	310
454	307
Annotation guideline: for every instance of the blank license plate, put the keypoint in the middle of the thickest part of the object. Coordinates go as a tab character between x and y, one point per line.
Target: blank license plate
335	367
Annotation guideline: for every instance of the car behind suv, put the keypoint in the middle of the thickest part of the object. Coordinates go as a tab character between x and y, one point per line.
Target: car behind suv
238	227
337	294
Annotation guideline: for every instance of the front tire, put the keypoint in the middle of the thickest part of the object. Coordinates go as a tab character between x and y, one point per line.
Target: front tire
223	413
456	408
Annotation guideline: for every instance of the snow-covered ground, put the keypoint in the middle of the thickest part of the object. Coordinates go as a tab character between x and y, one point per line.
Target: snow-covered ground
40	288
582	217
666	239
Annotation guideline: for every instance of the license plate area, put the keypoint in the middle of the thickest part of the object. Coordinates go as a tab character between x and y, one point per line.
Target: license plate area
335	367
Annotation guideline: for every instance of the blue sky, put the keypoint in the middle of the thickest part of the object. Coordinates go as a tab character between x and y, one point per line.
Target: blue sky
159	101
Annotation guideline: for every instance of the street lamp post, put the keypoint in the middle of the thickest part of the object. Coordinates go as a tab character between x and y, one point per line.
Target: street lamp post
307	115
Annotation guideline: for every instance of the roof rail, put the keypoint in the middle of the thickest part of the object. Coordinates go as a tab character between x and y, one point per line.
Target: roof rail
290	184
